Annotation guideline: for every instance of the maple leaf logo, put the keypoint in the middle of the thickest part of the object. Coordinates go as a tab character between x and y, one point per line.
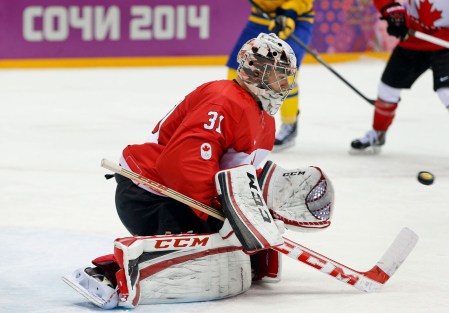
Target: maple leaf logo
427	15
206	151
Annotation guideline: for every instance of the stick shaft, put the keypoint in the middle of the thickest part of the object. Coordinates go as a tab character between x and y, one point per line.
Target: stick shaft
429	38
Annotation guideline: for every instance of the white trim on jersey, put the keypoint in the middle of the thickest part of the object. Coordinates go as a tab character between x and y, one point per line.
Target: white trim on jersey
436	5
233	158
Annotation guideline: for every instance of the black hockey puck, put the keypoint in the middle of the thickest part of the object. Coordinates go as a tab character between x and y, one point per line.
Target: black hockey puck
425	178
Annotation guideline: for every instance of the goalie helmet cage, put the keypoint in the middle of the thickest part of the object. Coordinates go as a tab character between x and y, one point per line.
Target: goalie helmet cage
367	281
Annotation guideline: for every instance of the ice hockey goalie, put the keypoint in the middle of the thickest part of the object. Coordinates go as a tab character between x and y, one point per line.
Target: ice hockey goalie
200	267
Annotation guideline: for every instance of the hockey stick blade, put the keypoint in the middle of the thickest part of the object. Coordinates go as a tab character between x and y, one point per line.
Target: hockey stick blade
365	281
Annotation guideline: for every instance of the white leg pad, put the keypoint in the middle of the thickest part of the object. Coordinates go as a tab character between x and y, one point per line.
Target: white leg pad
180	268
210	277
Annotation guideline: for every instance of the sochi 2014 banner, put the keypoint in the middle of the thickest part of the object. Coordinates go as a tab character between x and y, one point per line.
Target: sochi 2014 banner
349	26
33	29
115	28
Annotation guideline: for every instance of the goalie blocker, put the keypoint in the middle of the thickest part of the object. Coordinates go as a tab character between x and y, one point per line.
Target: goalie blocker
246	210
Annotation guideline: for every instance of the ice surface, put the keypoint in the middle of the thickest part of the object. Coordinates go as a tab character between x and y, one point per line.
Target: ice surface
57	210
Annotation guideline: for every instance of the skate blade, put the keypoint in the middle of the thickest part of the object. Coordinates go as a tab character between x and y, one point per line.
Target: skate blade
69	280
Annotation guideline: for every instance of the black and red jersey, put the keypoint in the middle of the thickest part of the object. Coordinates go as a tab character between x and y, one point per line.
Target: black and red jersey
427	16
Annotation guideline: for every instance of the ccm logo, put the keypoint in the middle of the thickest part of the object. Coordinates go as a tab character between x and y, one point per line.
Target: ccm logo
324	266
294	173
181	242
257	198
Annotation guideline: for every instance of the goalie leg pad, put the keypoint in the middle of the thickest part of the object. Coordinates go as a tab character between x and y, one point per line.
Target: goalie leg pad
302	198
181	268
245	208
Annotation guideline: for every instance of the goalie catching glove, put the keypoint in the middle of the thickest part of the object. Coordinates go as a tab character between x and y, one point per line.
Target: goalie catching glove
302	198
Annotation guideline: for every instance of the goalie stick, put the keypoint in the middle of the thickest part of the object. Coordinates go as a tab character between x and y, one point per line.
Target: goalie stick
365	281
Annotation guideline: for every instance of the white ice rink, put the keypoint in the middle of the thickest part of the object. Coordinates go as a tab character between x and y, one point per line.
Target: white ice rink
57	210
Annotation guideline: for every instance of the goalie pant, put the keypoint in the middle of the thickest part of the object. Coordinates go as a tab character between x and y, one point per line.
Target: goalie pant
185	268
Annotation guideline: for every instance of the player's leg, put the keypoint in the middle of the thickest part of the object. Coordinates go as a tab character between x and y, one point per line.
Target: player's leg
183	268
165	269
204	267
440	68
144	213
401	71
288	131
384	112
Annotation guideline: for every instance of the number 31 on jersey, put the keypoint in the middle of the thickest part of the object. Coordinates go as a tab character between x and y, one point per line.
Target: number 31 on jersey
214	116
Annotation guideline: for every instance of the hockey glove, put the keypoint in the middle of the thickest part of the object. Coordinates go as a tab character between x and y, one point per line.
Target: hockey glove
283	26
397	19
302	198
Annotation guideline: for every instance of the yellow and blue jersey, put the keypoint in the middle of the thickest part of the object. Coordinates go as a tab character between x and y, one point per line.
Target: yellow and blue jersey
300	10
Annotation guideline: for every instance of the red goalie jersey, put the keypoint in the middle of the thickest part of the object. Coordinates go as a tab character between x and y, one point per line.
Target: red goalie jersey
217	126
427	16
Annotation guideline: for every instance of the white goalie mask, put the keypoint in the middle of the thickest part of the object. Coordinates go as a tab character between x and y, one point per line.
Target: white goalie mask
267	65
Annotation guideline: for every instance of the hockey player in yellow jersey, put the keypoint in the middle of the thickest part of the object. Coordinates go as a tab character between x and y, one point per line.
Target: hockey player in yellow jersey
286	17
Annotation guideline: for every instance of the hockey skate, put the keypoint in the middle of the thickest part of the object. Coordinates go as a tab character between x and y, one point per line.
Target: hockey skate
94	286
285	138
371	143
